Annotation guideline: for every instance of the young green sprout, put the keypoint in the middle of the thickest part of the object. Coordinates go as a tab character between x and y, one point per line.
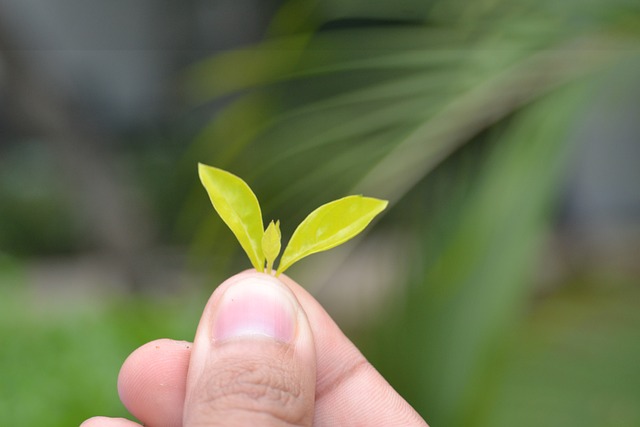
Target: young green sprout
326	227
271	243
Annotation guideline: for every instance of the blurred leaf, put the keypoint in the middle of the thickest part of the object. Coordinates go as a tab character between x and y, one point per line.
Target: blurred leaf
265	63
471	283
475	109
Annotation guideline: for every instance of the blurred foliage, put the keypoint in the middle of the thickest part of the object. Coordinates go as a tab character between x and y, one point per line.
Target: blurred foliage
375	106
574	362
60	358
35	210
468	290
40	216
459	113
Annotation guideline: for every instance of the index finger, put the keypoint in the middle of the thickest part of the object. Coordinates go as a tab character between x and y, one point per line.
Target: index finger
349	390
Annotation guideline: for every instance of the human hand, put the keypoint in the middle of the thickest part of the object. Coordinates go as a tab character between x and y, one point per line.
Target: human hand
265	353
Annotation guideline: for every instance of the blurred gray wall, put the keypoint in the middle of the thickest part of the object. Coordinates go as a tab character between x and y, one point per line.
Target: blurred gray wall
120	57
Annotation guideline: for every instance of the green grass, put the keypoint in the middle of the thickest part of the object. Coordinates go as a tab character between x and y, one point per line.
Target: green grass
575	362
60	360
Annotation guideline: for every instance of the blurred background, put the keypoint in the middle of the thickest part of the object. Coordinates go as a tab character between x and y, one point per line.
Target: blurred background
501	287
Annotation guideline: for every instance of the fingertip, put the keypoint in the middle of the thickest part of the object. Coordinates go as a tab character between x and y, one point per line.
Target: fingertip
152	381
154	352
109	422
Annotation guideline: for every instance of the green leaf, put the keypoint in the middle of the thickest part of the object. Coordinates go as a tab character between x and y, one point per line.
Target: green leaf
238	207
271	243
329	226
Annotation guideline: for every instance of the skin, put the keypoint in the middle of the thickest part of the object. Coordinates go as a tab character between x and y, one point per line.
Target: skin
313	376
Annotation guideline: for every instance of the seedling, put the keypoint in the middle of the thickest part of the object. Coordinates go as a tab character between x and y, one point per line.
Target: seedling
326	227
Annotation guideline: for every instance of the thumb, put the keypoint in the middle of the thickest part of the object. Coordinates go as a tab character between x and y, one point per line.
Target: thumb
253	359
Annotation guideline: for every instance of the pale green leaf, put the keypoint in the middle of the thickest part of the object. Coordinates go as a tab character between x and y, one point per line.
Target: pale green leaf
330	225
238	207
271	243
